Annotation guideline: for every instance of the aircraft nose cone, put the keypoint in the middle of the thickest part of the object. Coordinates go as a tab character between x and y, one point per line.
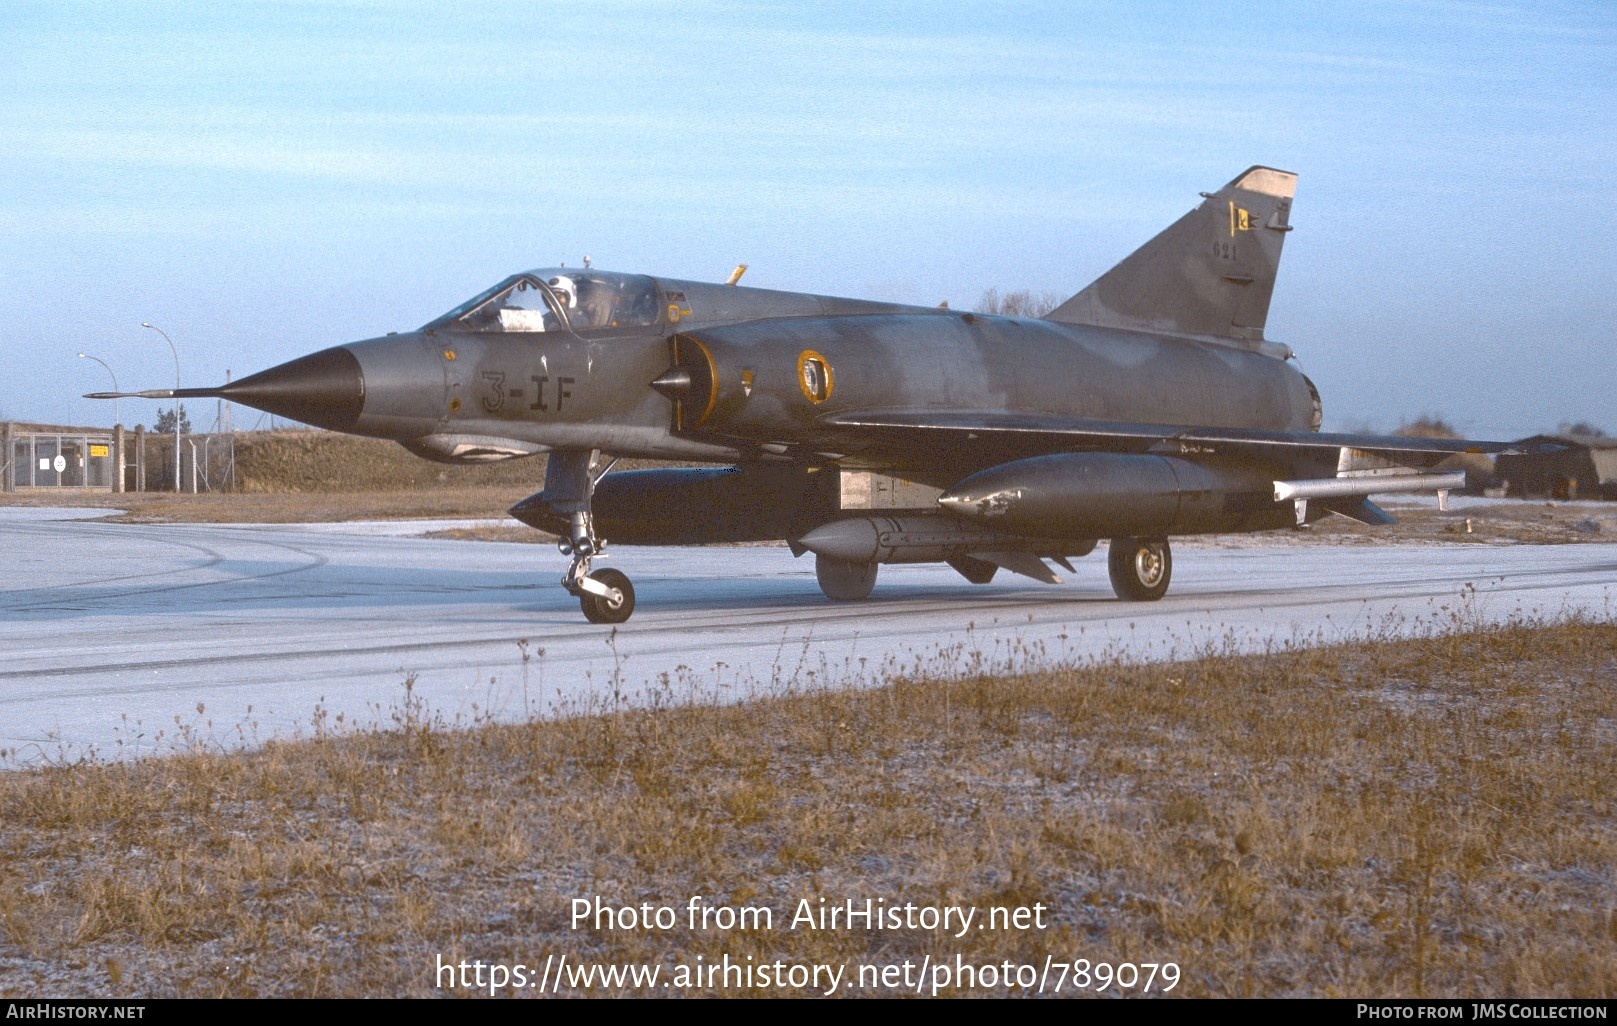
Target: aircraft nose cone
326	389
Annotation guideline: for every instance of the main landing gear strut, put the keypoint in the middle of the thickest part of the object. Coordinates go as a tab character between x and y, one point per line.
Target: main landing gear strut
605	596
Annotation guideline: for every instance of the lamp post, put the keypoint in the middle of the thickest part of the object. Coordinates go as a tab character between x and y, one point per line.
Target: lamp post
176	352
117	417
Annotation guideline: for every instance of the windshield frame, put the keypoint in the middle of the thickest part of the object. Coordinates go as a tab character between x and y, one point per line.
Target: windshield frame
455	318
647	310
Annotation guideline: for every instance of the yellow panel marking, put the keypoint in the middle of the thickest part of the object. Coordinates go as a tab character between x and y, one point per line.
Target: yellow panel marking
454	405
1240	220
449	354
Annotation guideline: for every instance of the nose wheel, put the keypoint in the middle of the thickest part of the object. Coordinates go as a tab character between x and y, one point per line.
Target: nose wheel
613	607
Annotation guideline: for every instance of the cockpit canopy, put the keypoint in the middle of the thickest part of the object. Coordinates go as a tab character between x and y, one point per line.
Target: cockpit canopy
561	299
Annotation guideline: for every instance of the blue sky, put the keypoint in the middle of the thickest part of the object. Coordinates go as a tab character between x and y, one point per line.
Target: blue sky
265	179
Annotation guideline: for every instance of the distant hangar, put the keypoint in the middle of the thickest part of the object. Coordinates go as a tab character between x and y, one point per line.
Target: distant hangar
1585	467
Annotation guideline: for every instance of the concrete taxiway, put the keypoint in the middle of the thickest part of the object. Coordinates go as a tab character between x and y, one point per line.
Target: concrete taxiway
122	638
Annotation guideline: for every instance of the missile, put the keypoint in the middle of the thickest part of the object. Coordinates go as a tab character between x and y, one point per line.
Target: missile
1368	484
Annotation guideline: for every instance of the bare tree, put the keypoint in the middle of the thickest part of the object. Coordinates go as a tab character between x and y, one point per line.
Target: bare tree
1021	303
1428	426
1581	427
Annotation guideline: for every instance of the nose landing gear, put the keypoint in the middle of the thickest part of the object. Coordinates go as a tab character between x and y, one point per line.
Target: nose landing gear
604	596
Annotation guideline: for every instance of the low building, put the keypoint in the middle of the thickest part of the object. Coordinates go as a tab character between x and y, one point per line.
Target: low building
48	456
1585	467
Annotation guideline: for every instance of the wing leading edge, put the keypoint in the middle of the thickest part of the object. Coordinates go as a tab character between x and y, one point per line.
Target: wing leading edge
1056	433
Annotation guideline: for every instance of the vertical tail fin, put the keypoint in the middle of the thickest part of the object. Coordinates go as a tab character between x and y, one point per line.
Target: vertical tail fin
1210	273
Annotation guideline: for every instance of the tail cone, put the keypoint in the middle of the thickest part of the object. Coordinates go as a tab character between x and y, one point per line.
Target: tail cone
675	383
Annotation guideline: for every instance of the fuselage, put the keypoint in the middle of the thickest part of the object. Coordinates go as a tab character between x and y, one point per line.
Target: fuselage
452	390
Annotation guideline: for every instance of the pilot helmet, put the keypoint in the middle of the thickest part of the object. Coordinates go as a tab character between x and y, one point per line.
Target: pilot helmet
564	286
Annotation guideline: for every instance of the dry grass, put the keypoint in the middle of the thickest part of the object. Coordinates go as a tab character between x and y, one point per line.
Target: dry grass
1392	818
307	461
308	476
480	502
1503	521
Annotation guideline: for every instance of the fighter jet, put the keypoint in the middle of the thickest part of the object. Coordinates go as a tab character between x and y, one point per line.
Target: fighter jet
1148	405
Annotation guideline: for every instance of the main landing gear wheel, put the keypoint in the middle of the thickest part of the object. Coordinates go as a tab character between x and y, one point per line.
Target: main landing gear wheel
1140	568
844	580
603	608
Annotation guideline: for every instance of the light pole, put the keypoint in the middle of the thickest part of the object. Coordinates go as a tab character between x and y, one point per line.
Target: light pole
117	417
176	352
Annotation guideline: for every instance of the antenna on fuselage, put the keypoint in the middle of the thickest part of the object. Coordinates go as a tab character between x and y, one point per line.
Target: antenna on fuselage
735	275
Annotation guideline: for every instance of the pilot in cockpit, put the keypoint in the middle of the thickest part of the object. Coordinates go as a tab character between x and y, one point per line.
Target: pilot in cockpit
589	301
566	293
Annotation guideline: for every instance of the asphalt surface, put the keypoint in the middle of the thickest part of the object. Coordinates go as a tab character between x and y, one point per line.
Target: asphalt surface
126	639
